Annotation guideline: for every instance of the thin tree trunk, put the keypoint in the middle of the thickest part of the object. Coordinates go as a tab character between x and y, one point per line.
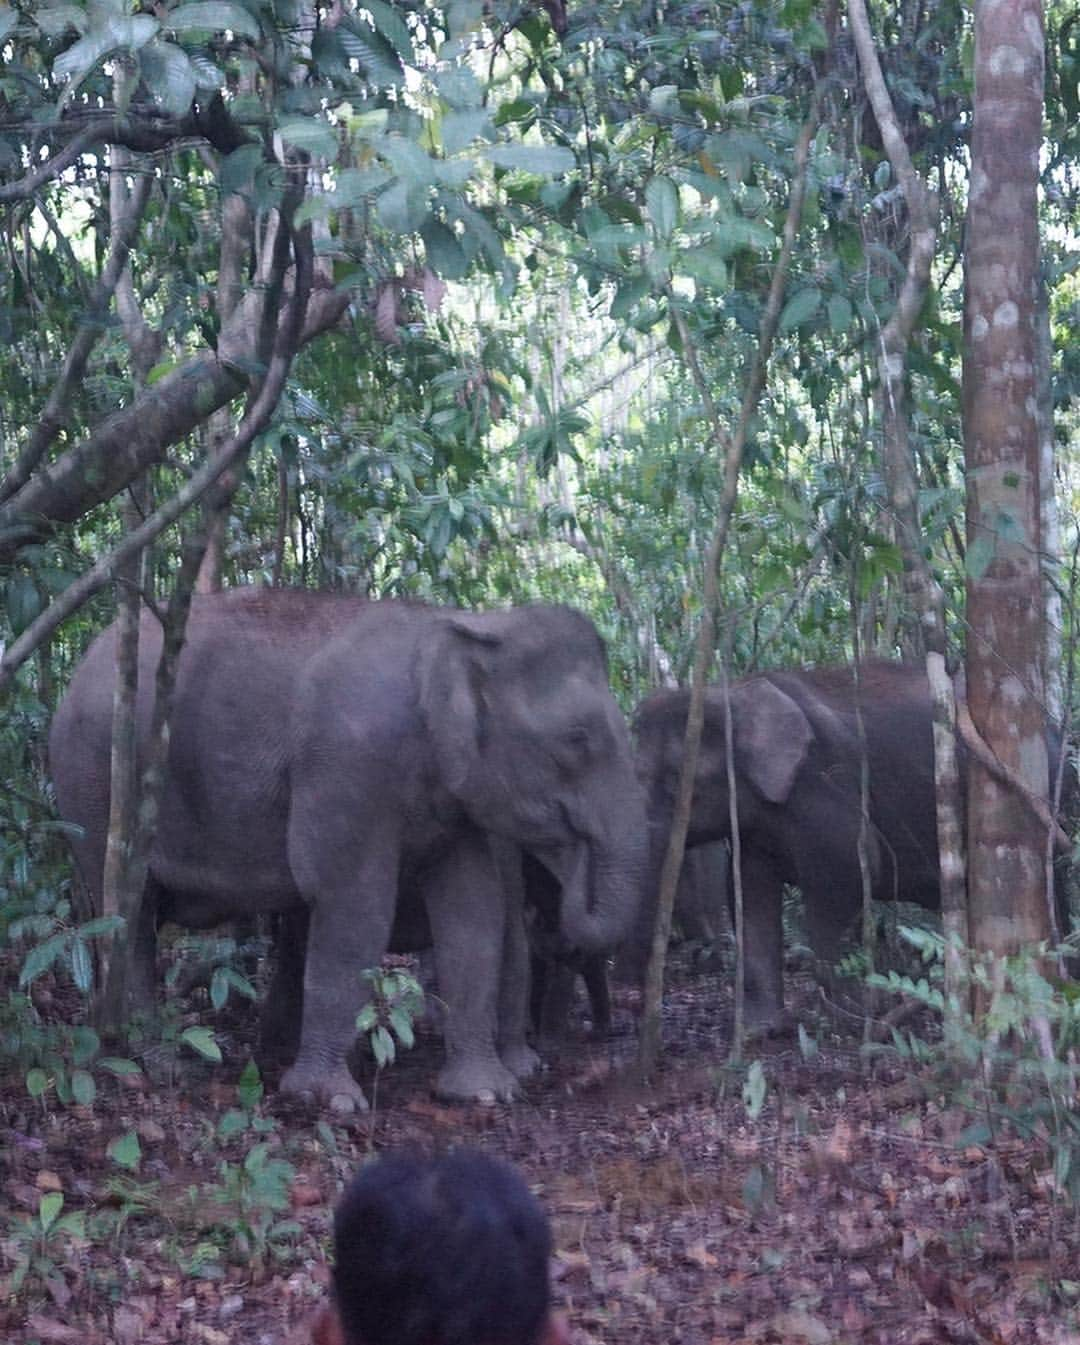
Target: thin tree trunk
923	590
1006	870
732	450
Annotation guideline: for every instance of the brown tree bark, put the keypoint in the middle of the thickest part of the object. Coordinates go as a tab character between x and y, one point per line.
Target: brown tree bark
1006	876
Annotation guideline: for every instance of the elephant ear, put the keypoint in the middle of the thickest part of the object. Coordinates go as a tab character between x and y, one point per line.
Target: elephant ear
772	738
456	666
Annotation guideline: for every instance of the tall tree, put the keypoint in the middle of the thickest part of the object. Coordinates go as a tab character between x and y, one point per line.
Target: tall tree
1007	890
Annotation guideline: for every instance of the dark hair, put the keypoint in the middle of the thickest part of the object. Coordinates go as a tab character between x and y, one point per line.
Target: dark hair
444	1251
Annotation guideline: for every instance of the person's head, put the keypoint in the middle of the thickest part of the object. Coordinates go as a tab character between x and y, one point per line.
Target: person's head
443	1251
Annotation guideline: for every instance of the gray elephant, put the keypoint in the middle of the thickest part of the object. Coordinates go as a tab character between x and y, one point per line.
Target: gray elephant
327	753
797	769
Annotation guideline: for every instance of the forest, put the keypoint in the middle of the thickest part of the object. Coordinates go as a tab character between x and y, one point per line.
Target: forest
582	505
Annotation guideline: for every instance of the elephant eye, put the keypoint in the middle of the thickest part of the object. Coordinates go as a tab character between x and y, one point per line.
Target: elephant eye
575	746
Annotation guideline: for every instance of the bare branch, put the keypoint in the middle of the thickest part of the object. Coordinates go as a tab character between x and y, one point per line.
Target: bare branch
257	416
137	436
56	408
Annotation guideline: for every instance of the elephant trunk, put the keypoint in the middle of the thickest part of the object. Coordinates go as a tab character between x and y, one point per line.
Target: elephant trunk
633	956
601	892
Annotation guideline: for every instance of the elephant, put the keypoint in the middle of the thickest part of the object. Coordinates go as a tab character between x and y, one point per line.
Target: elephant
554	967
797	764
328	752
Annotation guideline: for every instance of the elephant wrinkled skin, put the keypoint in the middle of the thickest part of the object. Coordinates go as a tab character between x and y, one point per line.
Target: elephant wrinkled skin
797	768
327	752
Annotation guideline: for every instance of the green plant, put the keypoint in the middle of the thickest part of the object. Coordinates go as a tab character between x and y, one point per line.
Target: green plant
239	1214
55	1057
1013	1063
397	999
39	1243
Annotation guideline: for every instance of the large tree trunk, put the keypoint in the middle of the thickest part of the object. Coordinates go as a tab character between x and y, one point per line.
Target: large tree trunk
1007	888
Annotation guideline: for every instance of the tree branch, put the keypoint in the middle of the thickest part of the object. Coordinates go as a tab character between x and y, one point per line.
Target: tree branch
56	408
259	411
137	436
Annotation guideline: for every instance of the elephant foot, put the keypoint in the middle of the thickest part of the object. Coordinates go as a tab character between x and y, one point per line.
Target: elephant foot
521	1060
337	1089
486	1081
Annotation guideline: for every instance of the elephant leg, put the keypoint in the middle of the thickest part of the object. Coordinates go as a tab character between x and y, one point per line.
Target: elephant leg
142	953
763	939
467	909
282	1013
514	979
595	974
553	1016
351	912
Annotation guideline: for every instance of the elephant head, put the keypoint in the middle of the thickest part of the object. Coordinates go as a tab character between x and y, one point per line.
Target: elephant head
529	742
772	737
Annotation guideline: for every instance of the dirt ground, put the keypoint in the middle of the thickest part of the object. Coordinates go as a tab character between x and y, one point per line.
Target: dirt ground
848	1211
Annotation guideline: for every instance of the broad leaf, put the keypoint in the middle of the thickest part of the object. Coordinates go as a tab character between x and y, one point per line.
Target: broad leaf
662	202
169	75
83	1087
126	1151
213	16
201	1040
543	160
310	134
116	34
800	308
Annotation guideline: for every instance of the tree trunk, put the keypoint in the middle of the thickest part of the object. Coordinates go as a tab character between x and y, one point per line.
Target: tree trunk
923	591
1006	876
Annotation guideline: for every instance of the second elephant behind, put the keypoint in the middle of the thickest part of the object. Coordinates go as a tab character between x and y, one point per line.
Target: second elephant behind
797	765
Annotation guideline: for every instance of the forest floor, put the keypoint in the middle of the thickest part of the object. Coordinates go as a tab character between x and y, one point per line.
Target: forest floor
849	1209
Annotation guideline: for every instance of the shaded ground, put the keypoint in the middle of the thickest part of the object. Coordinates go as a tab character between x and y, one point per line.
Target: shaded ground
845	1212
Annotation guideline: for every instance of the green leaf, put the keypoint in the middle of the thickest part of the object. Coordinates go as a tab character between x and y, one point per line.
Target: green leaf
393	27
249	1087
126	1151
841	313
517	109
445	254
382	1046
219	988
201	1040
117	33
310	134
799	309
662	203
237	176
83	1087
23	602
49	1207
232	1123
169	75
541	160
403	207
55	20
118	1065
37	1082
705	263
101	924
213	16
85	1044
460	129
401	1022
628	295
82	965
41	958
